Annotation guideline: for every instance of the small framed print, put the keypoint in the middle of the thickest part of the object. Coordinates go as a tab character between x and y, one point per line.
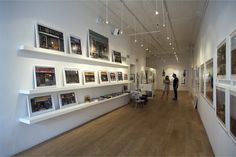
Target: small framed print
49	38
112	76
72	76
126	77
40	104
44	76
90	77
67	99
75	45
120	76
221	60
103	77
116	57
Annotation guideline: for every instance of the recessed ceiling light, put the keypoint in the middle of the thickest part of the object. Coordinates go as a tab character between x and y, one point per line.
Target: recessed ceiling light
156	12
107	22
146	49
163	25
173	48
170	44
168	38
135	40
141	45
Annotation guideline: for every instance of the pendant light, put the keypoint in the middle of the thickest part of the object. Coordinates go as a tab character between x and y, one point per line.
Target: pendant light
156	11
107	22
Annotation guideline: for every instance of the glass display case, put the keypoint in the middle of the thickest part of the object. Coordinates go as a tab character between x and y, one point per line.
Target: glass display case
221	60
233	114
209	80
202	79
220	104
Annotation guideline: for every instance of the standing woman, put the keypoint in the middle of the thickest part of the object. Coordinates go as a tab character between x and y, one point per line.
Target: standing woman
166	82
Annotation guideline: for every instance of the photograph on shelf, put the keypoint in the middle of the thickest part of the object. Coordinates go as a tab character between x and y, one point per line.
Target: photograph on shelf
75	45
98	46
44	76
90	77
221	60
202	79
40	104
67	99
49	38
126	77
123	59
132	77
233	55
116	57
113	77
233	114
220	104
103	77
209	80
120	76
72	76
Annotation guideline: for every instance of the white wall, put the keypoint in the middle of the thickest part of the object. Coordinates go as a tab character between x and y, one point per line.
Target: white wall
170	65
17	20
218	23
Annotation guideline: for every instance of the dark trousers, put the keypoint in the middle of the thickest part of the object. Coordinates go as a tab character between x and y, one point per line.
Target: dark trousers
175	91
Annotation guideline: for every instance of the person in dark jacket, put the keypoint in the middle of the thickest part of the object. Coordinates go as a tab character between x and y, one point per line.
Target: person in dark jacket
175	86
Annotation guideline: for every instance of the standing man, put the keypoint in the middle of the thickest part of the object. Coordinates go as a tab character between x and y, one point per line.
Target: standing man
175	86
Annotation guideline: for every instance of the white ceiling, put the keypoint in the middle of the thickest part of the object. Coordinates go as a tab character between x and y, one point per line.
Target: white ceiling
182	19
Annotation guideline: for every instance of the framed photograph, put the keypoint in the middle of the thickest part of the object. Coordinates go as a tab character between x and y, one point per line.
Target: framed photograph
75	45
221	60
126	78
90	77
120	76
67	99
98	46
44	76
233	115
209	81
202	79
233	55
113	77
49	38
40	104
72	76
132	77
220	105
103	77
116	57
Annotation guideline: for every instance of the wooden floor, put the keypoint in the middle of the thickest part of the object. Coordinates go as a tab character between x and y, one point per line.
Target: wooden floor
162	128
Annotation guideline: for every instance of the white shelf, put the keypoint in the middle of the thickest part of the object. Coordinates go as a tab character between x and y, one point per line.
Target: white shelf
61	89
76	58
59	112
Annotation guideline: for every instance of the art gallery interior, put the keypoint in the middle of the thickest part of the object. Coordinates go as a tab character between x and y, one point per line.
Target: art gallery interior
85	78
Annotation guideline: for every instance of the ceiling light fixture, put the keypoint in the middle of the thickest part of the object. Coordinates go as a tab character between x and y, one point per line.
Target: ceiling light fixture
163	12
156	12
173	48
168	38
107	22
121	20
170	44
141	45
146	49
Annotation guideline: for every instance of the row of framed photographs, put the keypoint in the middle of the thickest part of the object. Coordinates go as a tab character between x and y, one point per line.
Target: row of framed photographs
227	58
45	76
50	38
226	109
41	104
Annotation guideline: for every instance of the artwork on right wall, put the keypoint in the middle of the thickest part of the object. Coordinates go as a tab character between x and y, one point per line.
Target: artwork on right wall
209	80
